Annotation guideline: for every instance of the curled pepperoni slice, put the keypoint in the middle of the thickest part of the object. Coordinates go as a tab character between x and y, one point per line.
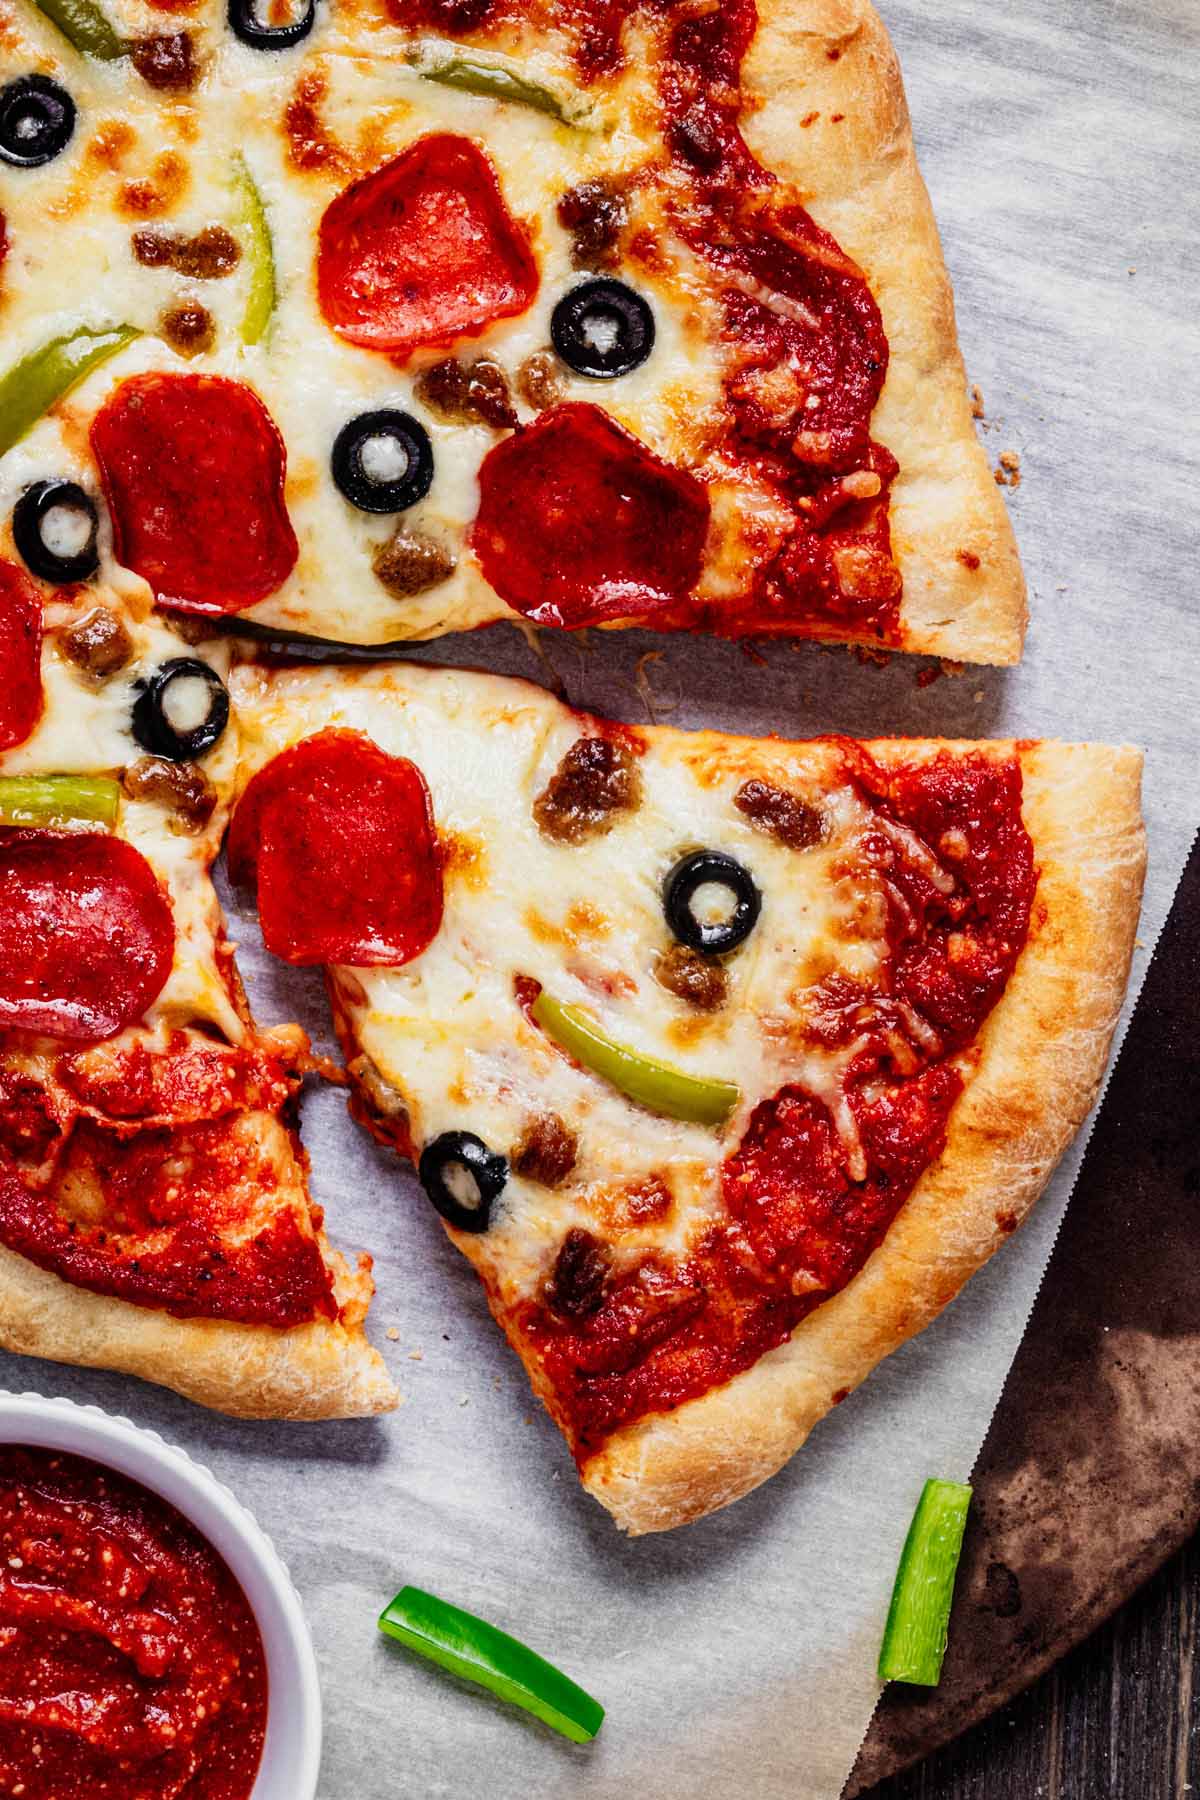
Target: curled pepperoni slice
20	656
87	939
339	838
423	251
579	522
193	470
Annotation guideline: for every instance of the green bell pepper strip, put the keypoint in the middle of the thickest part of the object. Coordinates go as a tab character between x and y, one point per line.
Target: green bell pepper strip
655	1085
83	24
470	1647
59	799
475	75
914	1640
32	385
260	305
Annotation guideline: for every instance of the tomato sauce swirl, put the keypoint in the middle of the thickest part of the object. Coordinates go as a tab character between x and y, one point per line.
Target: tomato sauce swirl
131	1664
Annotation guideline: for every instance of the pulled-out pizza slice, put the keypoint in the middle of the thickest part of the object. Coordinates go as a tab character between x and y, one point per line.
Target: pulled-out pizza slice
154	1210
419	316
726	1062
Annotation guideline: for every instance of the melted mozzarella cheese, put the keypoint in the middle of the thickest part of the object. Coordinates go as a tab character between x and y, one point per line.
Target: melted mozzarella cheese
446	1039
86	728
146	160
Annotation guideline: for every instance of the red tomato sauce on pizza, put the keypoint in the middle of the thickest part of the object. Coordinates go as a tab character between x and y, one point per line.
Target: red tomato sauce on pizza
809	353
133	1168
131	1665
803	1212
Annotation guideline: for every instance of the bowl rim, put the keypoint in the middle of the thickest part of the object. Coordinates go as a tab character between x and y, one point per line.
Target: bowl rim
143	1455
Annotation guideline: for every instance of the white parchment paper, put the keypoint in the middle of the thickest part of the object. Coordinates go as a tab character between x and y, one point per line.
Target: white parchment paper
737	1656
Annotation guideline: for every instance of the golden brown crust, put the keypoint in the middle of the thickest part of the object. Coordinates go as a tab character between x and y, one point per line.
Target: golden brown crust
856	170
317	1371
1042	1054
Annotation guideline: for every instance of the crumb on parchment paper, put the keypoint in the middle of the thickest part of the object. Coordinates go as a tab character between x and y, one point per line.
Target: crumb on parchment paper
935	671
1007	472
977	403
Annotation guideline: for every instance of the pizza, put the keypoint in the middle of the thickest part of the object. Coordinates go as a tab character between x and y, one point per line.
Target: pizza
154	1210
396	317
726	1062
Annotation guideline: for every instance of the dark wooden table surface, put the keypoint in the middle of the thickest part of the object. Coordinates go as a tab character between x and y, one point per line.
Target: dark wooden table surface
1088	1478
1117	1719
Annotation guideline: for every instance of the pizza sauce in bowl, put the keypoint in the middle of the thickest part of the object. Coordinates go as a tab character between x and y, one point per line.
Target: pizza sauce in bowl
149	1649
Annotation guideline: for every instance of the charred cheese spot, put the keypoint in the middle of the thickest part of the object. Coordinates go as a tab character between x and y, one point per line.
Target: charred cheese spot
160	191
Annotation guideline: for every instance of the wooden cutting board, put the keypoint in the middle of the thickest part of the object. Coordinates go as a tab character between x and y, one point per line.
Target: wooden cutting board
1089	1477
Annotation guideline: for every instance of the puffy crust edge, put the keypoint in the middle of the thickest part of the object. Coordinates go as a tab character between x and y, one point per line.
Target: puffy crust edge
856	170
318	1371
1041	1055
325	1369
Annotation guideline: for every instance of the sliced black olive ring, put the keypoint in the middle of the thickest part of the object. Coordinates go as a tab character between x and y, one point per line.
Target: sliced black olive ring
54	528
603	328
383	461
182	709
37	118
245	23
462	1178
704	868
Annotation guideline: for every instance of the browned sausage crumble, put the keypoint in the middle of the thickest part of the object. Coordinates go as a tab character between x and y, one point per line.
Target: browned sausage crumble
166	61
596	781
546	1152
98	644
409	564
780	814
540	380
595	214
210	254
700	980
179	786
468	393
189	328
576	1286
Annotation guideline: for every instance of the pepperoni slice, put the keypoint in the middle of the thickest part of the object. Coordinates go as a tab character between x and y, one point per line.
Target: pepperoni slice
20	656
193	470
339	839
579	522
87	939
423	251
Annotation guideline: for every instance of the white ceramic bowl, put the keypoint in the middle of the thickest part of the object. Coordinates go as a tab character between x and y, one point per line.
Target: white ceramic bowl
292	1753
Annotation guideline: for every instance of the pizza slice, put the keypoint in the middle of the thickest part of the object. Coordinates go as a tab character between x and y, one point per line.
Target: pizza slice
620	315
154	1209
726	1062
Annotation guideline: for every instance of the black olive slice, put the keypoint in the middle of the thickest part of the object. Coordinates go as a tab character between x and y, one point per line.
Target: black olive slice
182	709
54	528
712	937
245	23
37	118
603	328
462	1177
383	461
